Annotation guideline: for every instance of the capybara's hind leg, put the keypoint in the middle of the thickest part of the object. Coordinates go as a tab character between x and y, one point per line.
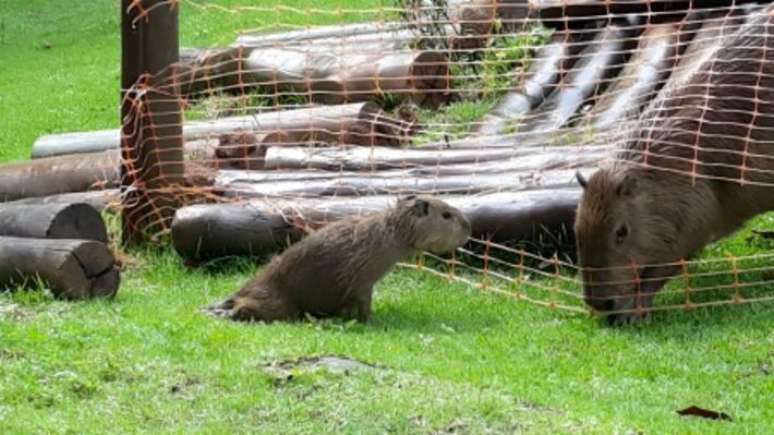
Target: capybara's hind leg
220	309
358	308
364	308
248	309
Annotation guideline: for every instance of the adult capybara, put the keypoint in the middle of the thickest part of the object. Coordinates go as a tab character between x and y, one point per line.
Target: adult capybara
700	164
332	271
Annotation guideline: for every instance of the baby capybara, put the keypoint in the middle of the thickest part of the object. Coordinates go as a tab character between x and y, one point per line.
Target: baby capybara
332	271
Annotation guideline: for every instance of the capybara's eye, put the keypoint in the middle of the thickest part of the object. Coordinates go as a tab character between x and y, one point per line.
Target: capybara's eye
446	215
621	233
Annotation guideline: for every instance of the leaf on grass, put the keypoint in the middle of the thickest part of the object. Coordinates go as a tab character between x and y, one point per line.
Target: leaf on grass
704	413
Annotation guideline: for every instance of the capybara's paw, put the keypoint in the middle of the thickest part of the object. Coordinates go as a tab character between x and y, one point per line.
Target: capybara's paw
623	319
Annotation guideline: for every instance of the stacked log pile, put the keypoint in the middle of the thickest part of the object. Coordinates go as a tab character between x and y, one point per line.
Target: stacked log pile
277	174
60	245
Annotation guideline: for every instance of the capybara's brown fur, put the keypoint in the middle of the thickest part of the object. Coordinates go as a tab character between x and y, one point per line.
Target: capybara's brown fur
700	165
332	271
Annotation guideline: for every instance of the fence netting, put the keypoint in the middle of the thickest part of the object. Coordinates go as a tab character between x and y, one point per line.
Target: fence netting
310	111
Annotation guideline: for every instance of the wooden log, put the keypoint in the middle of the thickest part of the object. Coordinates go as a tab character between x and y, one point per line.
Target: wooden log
556	11
151	116
79	173
524	160
544	73
640	78
323	77
420	76
473	23
72	269
326	123
513	14
599	61
52	221
373	158
318	35
340	39
51	176
713	28
205	232
364	185
469	24
97	199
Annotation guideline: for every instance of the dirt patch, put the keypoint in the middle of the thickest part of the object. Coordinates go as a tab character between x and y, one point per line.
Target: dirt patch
14	312
182	387
285	371
335	364
7	354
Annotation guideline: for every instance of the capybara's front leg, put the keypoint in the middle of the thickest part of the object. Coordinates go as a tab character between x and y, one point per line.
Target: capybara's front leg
364	306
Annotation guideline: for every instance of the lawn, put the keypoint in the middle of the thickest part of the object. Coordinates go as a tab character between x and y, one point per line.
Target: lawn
441	357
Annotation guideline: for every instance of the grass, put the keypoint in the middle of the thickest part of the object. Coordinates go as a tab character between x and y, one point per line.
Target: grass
448	358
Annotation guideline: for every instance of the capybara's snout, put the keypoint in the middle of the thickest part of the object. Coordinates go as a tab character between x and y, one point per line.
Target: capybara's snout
593	298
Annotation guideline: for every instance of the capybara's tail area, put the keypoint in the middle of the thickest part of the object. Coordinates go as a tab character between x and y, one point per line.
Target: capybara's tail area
249	308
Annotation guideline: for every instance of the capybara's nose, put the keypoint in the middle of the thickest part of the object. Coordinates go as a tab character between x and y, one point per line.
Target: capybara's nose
599	303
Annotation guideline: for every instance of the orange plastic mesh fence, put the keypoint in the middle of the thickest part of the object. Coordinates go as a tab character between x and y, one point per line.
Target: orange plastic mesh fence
298	113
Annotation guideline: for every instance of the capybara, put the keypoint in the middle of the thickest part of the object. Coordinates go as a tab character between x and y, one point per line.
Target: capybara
700	164
332	271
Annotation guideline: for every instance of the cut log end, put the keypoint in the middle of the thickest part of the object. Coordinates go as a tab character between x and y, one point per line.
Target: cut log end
106	285
71	269
78	221
432	79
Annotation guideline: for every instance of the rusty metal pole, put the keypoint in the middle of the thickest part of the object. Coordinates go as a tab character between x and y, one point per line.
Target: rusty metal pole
151	118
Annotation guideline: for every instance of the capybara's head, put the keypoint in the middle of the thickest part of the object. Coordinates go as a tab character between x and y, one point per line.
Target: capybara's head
628	243
429	224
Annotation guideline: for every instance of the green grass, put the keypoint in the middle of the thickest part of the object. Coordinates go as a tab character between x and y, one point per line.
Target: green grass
449	358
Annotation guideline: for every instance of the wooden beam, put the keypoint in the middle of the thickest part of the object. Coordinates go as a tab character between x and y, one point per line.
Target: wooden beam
151	118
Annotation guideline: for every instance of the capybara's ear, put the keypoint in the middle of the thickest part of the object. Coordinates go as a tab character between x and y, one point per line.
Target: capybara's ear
422	207
406	201
627	186
581	179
